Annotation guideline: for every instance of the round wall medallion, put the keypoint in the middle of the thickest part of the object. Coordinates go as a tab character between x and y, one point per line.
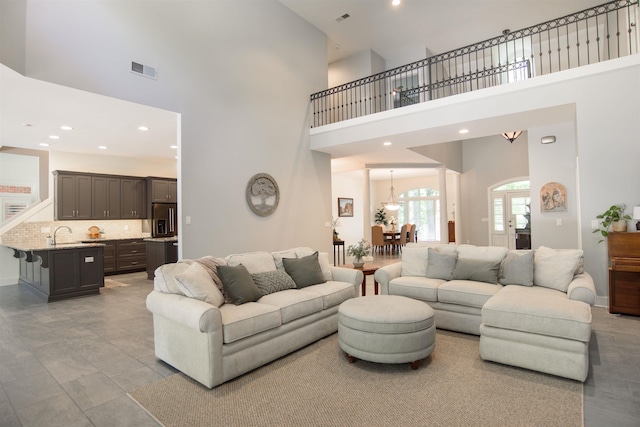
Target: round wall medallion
263	194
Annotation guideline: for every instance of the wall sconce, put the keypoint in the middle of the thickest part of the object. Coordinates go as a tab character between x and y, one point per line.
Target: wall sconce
511	136
548	139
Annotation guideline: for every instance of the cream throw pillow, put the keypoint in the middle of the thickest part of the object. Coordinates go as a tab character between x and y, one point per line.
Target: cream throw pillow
165	277
555	268
196	283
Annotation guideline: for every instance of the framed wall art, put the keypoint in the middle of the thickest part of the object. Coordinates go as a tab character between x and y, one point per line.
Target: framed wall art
263	194
345	206
553	197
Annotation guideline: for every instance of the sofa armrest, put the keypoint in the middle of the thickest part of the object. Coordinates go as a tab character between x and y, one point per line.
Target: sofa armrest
190	312
582	289
386	274
348	275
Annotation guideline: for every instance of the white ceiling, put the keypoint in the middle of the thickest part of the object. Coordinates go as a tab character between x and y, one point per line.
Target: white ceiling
402	33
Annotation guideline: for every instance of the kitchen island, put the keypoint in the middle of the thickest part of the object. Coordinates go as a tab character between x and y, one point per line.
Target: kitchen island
62	271
160	250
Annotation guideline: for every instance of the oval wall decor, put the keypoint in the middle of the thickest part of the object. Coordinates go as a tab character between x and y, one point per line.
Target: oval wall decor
263	194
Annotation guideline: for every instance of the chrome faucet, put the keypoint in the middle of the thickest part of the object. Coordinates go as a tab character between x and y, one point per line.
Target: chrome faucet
53	242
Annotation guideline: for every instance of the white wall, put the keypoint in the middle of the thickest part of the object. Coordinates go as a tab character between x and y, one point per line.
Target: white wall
351	185
239	73
354	67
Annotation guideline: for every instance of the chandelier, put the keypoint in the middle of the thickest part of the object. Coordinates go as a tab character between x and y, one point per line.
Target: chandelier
392	203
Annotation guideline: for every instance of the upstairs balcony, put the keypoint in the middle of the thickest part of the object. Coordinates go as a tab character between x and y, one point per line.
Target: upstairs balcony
601	33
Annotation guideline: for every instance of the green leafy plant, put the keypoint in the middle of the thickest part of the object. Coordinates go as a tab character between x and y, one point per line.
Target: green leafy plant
381	217
613	214
362	249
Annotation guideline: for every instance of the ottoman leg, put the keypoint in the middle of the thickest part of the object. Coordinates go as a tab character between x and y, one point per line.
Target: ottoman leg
350	358
415	364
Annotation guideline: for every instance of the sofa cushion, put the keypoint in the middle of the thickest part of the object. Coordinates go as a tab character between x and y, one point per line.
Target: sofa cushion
421	288
538	310
467	292
477	270
304	271
210	264
242	321
415	256
196	283
333	293
238	284
517	268
255	262
483	253
440	265
273	281
278	256
555	268
294	303
164	279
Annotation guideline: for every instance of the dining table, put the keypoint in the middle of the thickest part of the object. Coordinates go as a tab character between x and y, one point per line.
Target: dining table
392	237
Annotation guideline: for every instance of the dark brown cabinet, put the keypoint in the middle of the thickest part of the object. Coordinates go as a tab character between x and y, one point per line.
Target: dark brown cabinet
63	273
134	195
72	196
163	190
160	252
624	273
106	199
110	257
131	255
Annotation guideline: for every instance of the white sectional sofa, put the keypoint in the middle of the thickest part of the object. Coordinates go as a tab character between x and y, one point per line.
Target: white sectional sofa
210	323
532	309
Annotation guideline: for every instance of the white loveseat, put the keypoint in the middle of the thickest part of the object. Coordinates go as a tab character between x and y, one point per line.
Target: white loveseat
532	309
213	340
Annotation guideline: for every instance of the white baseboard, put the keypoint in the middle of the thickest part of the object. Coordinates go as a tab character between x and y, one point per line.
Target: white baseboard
6	281
602	302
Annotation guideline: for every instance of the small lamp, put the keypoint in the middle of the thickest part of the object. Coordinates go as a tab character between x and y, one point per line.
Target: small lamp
636	215
511	136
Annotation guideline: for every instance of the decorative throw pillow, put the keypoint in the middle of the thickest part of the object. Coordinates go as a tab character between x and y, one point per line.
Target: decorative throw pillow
273	281
164	279
555	268
196	283
304	271
517	268
440	265
210	264
478	270
238	284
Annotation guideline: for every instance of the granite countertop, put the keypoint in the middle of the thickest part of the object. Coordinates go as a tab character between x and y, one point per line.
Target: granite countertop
45	247
161	239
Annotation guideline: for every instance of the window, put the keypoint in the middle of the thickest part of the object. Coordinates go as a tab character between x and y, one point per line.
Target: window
421	207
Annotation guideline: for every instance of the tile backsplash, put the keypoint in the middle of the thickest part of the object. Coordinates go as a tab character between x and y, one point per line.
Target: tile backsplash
35	233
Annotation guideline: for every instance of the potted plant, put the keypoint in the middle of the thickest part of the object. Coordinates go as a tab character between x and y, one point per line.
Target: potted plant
362	249
381	217
335	223
615	218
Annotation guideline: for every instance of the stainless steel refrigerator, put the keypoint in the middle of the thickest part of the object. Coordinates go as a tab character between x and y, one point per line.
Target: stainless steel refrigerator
164	220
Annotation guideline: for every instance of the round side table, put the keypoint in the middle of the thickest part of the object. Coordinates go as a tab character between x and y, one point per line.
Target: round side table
368	270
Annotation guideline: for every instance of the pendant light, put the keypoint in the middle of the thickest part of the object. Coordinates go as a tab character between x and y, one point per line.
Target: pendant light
511	136
392	203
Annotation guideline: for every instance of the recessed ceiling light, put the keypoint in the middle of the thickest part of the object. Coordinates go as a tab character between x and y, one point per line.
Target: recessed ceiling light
143	128
387	143
102	147
65	127
175	147
44	144
463	131
54	137
27	125
395	2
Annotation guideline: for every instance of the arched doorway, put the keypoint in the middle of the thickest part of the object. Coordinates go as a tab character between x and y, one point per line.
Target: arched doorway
510	214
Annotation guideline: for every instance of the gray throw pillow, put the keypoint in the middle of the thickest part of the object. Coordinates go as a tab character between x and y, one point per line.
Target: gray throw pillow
304	271
440	265
517	268
238	284
273	281
477	270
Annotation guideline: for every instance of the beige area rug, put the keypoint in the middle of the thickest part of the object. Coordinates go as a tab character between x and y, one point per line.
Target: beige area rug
317	386
110	283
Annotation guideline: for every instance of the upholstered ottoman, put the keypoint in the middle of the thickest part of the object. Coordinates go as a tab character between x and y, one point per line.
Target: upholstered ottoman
386	329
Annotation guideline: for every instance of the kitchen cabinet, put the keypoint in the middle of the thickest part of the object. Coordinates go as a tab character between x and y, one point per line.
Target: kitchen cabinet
110	257
131	255
159	252
62	272
624	273
163	190
134	195
106	199
72	196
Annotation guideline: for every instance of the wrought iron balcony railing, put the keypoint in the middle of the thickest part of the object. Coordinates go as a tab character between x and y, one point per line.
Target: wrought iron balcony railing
593	35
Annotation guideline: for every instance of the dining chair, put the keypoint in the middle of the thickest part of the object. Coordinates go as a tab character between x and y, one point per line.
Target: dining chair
377	238
412	234
402	240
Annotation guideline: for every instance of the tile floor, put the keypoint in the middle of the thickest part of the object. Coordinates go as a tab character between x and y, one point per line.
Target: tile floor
71	363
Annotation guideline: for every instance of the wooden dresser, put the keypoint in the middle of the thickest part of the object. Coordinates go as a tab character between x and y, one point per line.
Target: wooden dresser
624	273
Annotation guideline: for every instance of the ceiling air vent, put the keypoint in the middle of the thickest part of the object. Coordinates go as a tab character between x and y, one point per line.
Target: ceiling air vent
144	70
342	17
